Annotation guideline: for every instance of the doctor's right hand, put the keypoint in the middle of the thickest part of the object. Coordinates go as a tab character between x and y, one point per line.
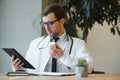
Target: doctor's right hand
16	63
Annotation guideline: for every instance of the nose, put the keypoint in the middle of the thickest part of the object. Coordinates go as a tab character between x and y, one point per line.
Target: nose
47	27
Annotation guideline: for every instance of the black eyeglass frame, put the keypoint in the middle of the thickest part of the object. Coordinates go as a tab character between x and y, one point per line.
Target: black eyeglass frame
49	23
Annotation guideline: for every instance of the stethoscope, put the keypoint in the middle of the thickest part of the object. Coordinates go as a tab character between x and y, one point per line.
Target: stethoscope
69	38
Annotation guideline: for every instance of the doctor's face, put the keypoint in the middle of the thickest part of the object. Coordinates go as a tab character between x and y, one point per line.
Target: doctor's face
53	26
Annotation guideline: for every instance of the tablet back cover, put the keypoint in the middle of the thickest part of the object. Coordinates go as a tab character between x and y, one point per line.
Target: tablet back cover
12	51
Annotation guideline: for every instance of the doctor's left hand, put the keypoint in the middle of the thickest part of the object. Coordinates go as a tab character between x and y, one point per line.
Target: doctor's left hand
56	51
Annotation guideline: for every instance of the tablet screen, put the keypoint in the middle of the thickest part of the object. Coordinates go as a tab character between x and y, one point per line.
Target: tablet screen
12	51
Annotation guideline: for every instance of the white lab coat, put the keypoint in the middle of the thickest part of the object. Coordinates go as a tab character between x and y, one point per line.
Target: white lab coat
38	54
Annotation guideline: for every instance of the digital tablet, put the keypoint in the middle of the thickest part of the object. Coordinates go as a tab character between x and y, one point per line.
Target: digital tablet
12	51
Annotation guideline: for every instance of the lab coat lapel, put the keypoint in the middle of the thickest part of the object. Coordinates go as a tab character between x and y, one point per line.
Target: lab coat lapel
45	53
45	57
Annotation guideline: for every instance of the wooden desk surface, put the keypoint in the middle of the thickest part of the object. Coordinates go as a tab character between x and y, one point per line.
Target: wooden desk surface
90	77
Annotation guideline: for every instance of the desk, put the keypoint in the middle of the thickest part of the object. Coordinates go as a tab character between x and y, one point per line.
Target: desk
90	77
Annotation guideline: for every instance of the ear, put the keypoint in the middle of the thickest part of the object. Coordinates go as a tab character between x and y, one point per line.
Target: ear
62	21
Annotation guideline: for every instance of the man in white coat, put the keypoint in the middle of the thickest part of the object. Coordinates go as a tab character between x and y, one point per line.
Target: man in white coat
66	50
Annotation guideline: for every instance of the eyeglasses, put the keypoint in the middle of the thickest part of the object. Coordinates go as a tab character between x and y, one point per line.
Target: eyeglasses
49	23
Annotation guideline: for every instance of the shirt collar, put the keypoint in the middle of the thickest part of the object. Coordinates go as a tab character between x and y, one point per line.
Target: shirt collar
63	36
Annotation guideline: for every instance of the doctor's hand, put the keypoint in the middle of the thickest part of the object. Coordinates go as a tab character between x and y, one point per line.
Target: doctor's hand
56	51
16	63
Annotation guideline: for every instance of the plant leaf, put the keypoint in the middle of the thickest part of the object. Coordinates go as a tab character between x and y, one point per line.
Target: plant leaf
112	30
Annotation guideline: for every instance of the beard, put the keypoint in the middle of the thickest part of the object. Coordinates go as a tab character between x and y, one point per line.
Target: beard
55	34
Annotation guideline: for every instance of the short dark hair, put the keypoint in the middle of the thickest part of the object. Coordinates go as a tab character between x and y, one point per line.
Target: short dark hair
56	9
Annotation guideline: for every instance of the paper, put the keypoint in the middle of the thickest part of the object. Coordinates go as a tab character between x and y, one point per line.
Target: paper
56	74
18	73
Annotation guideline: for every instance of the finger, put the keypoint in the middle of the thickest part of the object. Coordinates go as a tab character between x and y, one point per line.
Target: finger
58	53
18	67
18	63
15	61
54	54
13	58
58	47
54	50
53	47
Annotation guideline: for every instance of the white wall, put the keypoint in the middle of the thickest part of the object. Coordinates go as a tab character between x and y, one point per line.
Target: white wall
105	49
17	27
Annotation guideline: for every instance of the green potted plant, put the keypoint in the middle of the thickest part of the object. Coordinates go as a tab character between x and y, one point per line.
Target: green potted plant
81	68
